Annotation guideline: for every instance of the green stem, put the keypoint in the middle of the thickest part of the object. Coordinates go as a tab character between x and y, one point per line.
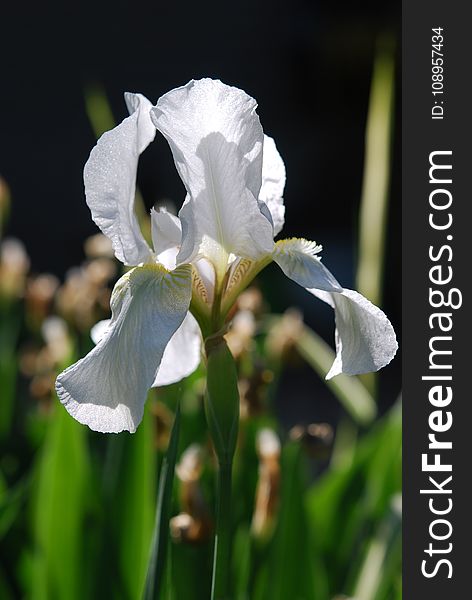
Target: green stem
220	589
222	414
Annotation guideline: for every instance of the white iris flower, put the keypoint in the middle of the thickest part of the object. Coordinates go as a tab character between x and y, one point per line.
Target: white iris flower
182	289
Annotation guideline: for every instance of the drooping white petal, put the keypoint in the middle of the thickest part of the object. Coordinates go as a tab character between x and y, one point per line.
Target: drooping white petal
106	389
216	140
297	259
110	181
273	183
365	339
182	354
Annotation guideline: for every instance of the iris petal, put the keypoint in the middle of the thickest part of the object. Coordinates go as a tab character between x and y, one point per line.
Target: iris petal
273	184
216	140
365	339
182	354
107	389
298	259
110	181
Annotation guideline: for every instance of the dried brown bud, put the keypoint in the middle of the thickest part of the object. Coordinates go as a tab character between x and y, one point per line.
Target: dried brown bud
268	486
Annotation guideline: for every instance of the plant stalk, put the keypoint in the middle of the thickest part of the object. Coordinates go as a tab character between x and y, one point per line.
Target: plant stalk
220	589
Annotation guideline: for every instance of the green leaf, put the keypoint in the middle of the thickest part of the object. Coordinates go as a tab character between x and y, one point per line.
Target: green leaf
383	557
10	323
347	504
293	572
154	577
60	511
133	507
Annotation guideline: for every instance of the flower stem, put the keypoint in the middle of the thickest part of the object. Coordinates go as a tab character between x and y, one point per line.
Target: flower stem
222	414
220	589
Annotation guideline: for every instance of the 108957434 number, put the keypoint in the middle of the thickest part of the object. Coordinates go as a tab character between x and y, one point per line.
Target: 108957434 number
437	60
437	72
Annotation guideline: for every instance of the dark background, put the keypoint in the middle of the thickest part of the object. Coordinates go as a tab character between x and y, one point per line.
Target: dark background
309	65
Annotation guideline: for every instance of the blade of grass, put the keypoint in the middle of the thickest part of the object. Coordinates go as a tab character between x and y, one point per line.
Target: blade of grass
98	110
375	567
374	201
375	187
161	527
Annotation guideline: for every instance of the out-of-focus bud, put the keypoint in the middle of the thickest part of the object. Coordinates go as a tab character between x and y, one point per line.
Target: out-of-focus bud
317	438
252	300
284	333
163	420
268	486
100	271
98	246
189	468
84	298
41	364
39	296
76	299
14	265
58	342
268	445
240	336
185	529
194	523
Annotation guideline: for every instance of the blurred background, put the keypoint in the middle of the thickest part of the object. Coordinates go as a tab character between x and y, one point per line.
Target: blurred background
325	76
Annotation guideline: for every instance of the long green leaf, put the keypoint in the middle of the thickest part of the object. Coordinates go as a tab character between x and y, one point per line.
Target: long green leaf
60	503
157	559
374	203
132	509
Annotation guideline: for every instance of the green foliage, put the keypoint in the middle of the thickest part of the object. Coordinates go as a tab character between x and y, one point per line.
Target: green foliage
77	511
59	511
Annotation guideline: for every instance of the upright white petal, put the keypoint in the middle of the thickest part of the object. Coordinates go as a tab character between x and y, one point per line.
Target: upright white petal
166	237
110	181
106	389
297	259
273	183
216	140
166	230
365	339
182	354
